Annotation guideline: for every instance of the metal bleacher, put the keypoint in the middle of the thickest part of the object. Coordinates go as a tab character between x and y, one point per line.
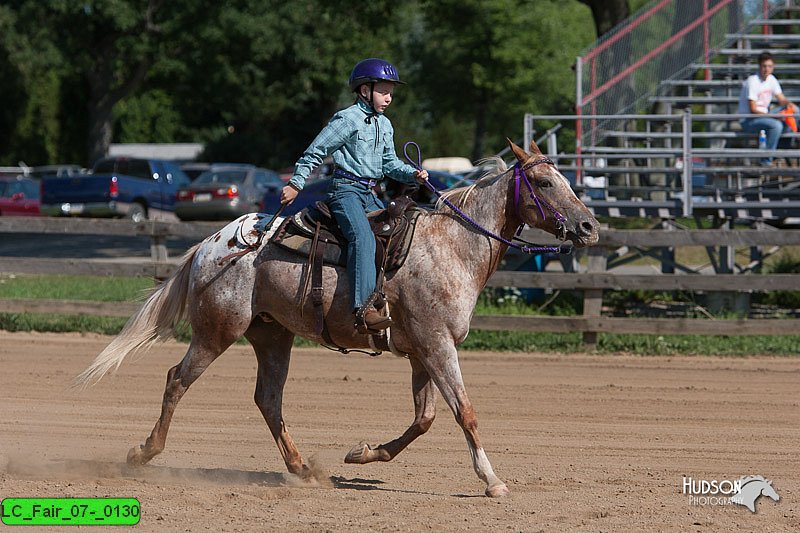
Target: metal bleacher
635	163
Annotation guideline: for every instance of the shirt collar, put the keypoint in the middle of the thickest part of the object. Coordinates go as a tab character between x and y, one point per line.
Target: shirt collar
366	109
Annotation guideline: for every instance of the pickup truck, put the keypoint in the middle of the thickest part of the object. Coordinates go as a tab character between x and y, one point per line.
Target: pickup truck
116	187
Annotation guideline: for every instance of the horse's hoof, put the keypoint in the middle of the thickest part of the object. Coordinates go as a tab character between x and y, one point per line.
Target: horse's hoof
497	491
136	456
307	477
306	473
359	454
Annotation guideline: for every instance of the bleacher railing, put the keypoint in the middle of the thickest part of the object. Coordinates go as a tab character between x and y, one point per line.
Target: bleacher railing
660	42
651	170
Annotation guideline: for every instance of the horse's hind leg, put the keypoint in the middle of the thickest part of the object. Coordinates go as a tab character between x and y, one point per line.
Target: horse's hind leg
179	378
273	346
424	390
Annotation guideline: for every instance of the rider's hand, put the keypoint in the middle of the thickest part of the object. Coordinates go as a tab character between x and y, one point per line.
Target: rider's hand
421	176
288	194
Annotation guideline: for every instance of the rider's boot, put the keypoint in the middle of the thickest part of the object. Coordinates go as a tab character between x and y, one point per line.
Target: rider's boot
370	319
374	320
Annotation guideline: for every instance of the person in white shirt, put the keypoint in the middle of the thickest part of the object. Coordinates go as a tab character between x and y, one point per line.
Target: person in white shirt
757	94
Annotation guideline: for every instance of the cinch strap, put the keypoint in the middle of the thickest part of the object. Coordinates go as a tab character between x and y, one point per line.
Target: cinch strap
341	173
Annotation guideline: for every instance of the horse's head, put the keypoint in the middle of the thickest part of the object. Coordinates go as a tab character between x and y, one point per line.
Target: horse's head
543	198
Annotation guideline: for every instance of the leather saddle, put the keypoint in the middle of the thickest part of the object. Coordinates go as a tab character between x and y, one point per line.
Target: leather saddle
393	228
314	233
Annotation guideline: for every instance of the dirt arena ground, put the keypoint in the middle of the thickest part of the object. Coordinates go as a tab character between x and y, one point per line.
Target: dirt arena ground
585	443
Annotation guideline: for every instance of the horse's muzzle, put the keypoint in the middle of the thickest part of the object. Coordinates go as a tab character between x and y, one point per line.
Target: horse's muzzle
585	232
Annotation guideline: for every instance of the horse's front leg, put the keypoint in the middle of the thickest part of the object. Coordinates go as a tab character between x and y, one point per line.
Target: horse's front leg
424	391
443	367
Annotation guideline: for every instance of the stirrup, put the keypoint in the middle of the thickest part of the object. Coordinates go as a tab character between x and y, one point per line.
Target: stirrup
362	326
361	322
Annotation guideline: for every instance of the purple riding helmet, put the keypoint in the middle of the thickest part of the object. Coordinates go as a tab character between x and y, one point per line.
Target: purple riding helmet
372	70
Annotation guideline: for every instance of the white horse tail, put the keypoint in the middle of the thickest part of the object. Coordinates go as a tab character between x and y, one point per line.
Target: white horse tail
154	321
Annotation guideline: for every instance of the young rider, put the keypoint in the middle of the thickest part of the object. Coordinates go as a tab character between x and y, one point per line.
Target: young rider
361	140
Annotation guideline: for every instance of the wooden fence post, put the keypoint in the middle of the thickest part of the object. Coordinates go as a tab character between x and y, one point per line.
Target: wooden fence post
158	249
593	298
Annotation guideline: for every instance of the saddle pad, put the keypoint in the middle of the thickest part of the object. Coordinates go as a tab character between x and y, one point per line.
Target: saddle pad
301	245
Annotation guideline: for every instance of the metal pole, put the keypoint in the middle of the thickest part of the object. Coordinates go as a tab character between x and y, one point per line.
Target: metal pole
687	162
579	121
527	134
705	39
765	29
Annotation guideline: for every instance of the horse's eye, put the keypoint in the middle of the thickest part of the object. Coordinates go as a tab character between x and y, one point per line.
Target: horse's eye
544	183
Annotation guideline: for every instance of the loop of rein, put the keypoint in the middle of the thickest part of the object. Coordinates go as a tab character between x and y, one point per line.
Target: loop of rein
518	170
252	246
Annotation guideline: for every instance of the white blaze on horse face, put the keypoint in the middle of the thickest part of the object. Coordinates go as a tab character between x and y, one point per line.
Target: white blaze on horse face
554	172
564	179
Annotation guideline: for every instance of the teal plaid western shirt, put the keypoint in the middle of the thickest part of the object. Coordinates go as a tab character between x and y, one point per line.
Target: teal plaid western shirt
361	147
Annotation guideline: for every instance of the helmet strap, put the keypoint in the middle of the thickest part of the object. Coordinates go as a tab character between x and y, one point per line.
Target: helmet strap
368	101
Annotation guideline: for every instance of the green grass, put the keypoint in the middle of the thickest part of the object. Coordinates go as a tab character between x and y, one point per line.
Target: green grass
60	323
96	288
634	344
133	289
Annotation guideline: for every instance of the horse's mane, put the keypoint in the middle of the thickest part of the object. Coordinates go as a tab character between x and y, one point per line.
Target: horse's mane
459	195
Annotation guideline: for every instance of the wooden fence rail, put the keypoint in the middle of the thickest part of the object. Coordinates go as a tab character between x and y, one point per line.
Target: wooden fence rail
592	282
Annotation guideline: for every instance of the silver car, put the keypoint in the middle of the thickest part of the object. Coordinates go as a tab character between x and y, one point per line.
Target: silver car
225	192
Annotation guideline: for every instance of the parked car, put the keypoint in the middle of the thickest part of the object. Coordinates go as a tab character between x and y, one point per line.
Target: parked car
19	196
315	190
420	193
117	187
61	171
194	169
226	192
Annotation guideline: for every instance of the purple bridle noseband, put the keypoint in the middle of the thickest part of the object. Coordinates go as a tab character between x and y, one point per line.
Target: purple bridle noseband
519	175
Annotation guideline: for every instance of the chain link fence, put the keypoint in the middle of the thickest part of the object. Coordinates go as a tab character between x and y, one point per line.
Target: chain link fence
662	41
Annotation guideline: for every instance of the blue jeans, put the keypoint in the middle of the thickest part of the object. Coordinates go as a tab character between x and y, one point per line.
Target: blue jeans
350	202
773	128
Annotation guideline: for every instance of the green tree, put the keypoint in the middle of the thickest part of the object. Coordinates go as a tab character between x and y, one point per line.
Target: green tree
30	85
485	63
256	79
268	75
607	13
95	52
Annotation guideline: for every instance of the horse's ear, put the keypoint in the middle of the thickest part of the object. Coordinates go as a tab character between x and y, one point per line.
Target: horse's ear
521	154
535	148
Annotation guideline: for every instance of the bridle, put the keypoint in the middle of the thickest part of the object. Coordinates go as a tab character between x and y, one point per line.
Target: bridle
541	203
520	174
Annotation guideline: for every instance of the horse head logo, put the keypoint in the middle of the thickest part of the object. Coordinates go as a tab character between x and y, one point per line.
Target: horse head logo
752	488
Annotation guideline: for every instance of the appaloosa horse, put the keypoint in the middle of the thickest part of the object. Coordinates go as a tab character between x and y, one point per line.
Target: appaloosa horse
431	298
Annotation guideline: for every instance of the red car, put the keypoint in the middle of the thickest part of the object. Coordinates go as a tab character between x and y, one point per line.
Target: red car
19	196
